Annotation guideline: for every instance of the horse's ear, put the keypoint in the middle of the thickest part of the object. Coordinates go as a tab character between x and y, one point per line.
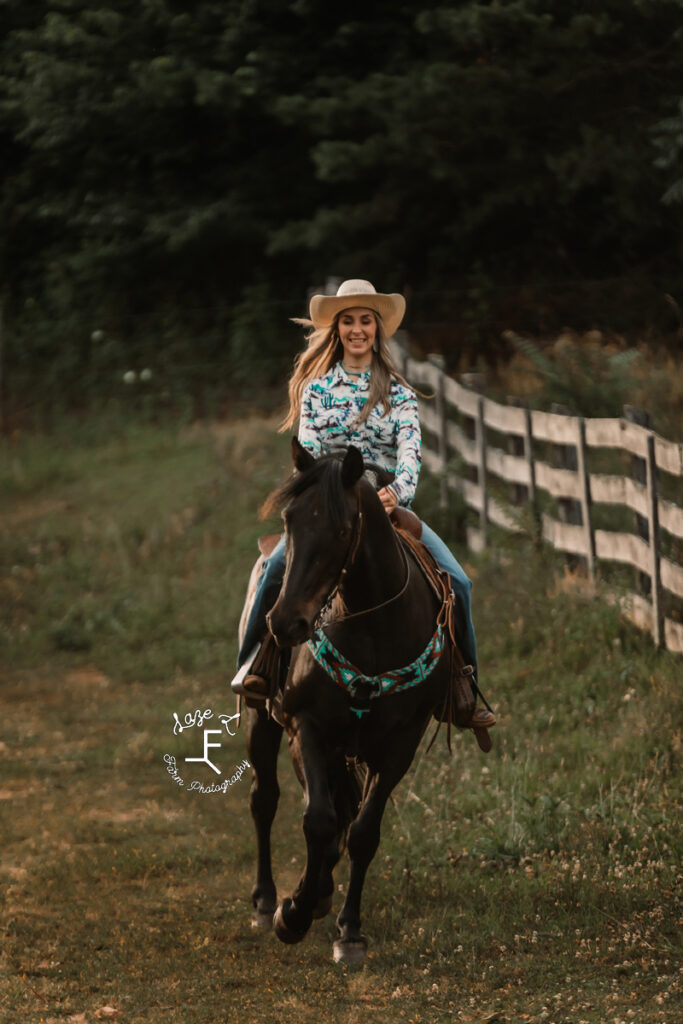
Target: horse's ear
352	467
301	457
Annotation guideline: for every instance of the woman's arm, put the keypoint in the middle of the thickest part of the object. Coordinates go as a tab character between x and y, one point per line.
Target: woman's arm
309	435
408	447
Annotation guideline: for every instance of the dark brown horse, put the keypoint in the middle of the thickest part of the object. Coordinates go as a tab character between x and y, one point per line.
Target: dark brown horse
340	541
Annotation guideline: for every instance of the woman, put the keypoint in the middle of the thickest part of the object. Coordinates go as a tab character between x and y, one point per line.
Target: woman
344	390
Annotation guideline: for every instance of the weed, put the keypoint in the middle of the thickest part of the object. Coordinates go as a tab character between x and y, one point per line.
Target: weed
541	883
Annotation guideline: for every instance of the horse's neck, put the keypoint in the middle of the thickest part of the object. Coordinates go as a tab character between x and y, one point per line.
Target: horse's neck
378	570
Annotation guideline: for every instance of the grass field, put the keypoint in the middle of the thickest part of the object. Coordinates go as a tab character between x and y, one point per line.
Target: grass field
540	883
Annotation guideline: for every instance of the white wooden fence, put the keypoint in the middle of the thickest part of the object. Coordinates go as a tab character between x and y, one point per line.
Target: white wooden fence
574	486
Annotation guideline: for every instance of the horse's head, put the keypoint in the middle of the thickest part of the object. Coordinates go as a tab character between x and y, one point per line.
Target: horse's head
321	517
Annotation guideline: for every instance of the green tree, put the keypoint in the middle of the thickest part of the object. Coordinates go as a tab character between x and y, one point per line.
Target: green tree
178	172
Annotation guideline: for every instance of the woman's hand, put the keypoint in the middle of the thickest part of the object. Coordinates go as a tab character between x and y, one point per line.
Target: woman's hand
388	499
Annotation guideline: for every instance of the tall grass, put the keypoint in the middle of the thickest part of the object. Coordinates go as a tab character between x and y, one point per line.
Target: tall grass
540	883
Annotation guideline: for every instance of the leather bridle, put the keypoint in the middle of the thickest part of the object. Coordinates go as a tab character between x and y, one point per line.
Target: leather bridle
348	562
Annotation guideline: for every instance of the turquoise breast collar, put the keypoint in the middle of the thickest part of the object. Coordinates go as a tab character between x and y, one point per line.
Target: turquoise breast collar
362	688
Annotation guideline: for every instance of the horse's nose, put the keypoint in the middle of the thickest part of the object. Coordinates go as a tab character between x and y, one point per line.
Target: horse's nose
290	630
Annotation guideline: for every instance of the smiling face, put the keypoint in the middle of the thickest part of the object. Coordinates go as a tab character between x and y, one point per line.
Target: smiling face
357	329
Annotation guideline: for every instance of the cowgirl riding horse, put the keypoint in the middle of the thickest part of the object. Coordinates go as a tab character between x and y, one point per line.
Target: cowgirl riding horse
345	391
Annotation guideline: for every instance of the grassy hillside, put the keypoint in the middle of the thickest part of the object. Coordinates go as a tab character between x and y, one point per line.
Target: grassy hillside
540	883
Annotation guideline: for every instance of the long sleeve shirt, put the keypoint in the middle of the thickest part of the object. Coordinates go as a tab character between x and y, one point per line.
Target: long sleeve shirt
330	409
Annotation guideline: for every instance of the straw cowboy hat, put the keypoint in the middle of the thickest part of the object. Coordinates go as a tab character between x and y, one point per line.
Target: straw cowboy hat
391	308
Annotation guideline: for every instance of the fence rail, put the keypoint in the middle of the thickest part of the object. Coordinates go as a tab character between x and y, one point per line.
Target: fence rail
567	440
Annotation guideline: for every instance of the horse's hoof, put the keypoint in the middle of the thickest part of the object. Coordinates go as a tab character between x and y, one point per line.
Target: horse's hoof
283	932
323	908
347	951
262	920
264	904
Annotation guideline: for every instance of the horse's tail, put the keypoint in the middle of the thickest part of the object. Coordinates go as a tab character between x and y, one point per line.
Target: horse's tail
348	796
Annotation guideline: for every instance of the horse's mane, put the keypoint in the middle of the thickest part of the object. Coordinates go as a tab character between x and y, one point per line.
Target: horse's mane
325	472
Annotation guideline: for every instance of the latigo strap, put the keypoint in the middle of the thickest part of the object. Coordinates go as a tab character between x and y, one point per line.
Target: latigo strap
460	700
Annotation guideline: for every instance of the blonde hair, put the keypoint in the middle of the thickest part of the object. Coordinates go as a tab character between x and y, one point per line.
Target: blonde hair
323	351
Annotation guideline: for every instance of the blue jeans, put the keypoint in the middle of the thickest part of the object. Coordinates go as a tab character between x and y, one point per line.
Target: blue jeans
270	581
267	590
462	585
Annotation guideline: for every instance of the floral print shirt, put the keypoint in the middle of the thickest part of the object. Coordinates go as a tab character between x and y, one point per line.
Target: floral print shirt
330	408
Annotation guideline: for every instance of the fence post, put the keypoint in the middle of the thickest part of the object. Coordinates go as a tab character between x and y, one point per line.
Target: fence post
653	524
516	446
480	434
568	510
477	382
529	454
585	494
645	472
639	473
522	446
438	363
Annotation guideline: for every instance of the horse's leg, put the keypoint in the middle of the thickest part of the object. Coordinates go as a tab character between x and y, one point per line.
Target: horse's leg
363	840
330	858
326	879
293	917
347	786
263	744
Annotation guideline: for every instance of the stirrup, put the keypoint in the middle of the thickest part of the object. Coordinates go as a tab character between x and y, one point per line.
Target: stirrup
237	684
482	720
256	686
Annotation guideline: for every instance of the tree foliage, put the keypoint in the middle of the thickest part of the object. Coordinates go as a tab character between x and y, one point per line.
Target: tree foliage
197	167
